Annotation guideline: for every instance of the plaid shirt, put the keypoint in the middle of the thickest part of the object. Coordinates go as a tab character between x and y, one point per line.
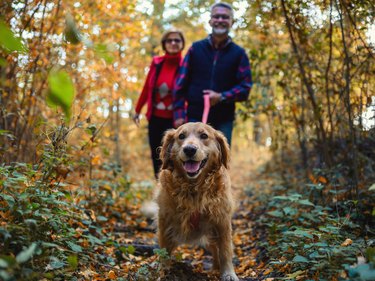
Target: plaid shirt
239	92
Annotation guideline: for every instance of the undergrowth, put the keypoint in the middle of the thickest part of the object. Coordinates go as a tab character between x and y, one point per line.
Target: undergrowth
50	230
315	234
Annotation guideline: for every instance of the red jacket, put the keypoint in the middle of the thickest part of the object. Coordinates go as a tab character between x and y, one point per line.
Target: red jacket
148	88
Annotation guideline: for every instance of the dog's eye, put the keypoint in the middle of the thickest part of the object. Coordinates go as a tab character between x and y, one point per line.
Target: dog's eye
181	136
204	136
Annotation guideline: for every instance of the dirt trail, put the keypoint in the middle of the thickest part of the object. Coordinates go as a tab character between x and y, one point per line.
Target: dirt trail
246	163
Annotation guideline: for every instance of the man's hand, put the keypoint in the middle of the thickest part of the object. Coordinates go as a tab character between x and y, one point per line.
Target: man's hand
178	122
136	119
215	97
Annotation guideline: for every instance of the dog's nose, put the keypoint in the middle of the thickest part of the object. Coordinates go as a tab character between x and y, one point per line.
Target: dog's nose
190	150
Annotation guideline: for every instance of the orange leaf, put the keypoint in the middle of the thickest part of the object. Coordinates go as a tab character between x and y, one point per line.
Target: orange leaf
95	160
322	179
143	224
112	275
347	242
312	178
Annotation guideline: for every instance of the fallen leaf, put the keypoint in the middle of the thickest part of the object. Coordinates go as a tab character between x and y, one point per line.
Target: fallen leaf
347	242
112	275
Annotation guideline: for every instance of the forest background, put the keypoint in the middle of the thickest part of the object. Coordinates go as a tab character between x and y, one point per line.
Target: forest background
75	169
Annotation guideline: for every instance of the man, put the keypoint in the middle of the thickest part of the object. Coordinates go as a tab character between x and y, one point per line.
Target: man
217	67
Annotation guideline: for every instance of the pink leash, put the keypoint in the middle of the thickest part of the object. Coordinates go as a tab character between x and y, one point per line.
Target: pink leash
206	108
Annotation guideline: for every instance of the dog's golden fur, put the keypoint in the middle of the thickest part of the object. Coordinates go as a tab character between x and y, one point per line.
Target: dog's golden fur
196	204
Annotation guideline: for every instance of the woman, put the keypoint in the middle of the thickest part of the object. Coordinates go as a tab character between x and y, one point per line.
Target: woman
157	92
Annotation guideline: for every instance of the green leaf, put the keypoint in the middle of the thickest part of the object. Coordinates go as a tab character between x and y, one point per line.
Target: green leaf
289	211
299	258
305	202
5	275
76	248
73	261
281	197
8	41
104	52
131	249
372	187
127	250
364	271
276	214
25	255
31	222
329	229
47	244
10	260
56	264
91	129
9	199
321	244
71	33
162	253
101	218
370	254
60	92
94	240
296	274
179	256
3	263
300	233
315	255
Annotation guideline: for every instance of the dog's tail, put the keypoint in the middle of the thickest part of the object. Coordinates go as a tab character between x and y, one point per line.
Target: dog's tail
150	209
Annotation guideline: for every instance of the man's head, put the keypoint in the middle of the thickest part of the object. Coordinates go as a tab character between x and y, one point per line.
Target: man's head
221	18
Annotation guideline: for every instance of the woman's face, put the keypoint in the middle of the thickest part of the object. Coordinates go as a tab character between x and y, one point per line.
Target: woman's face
173	43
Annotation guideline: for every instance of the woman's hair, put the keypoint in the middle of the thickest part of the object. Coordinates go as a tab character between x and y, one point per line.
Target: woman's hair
166	34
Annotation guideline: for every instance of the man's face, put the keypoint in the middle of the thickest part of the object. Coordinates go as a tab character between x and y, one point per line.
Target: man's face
221	20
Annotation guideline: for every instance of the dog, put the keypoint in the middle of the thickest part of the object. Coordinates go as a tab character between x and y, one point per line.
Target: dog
194	197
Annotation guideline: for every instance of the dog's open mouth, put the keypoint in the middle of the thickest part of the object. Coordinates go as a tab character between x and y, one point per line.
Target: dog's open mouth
193	168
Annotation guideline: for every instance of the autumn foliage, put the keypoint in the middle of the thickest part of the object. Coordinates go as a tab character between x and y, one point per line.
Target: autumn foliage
75	171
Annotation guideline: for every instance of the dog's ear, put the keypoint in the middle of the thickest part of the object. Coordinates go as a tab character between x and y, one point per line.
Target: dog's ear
223	148
166	147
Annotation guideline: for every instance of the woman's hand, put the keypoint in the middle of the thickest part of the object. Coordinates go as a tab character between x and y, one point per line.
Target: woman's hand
136	119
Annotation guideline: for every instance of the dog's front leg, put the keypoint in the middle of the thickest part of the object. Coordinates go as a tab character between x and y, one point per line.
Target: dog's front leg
215	256
224	244
165	240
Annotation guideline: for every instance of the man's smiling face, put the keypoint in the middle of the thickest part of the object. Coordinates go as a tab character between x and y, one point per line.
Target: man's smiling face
221	20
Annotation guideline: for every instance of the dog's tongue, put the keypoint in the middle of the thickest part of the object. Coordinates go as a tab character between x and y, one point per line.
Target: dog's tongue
191	166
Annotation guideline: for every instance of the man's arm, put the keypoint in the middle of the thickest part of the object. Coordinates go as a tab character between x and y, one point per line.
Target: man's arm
241	91
179	91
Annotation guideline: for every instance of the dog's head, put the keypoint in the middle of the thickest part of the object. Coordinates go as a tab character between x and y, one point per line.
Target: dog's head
194	149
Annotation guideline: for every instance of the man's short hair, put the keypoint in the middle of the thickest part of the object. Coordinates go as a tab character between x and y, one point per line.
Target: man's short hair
222	5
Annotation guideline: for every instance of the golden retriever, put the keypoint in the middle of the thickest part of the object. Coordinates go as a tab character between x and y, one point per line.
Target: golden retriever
195	197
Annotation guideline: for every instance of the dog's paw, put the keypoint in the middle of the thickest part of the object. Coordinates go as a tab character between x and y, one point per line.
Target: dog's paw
229	276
